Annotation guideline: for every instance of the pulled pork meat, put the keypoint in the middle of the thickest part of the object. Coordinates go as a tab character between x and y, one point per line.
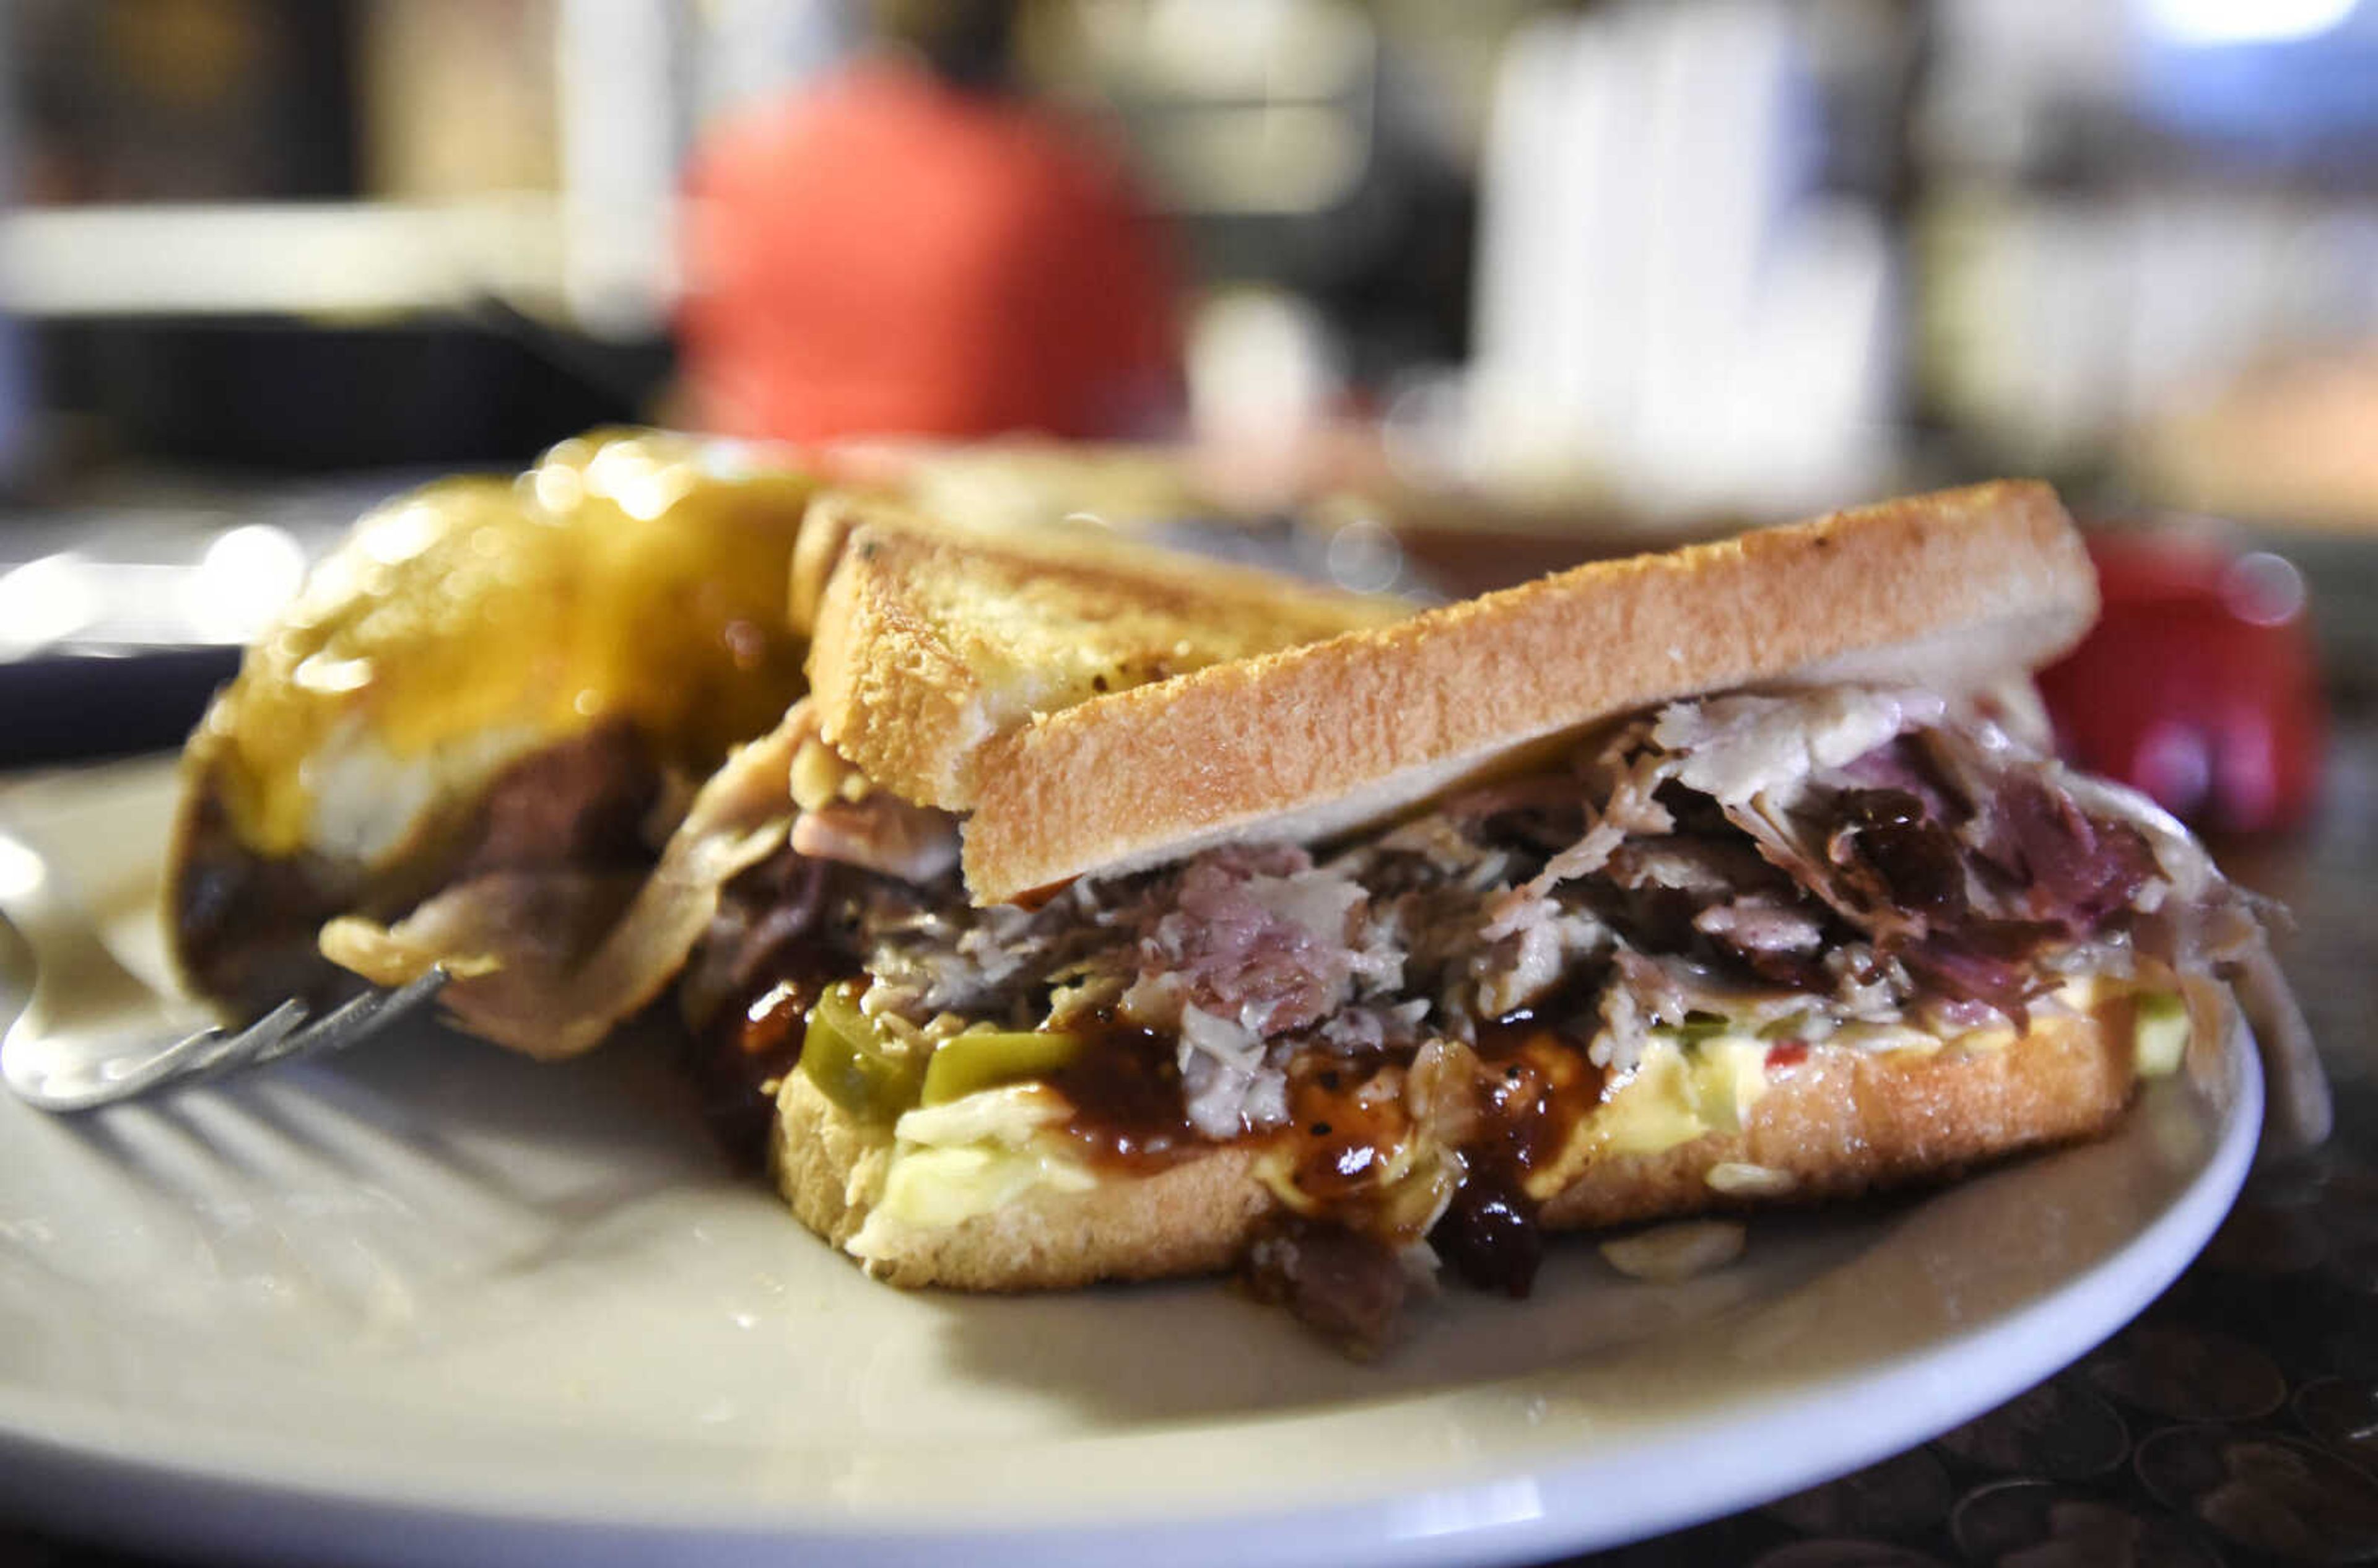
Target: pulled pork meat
1840	863
1344	1285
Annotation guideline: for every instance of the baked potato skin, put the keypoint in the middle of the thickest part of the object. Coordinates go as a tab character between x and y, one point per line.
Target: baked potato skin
241	923
521	675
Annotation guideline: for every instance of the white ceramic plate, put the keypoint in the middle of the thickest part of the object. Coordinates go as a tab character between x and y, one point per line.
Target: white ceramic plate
434	1304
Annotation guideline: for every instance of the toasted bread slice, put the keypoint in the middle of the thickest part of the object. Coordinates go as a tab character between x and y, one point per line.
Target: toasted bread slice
1841	1122
929	643
1948	589
996	490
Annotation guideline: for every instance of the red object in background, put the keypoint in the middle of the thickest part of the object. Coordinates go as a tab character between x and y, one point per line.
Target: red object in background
2198	684
888	254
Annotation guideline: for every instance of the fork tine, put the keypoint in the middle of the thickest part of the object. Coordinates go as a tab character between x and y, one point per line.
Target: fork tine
260	1041
355	1021
281	1034
192	1055
201	1056
273	1027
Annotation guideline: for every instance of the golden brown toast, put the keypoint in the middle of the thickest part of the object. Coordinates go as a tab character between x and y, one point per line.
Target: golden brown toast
1948	589
929	643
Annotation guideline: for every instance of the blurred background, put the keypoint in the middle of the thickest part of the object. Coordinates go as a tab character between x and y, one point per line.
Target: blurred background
1531	280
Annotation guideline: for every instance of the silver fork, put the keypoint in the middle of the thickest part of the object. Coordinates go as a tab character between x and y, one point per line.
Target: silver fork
83	1031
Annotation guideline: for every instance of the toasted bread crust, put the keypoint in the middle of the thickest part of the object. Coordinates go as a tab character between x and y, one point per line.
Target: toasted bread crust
1843	1122
1840	1124
1190	1219
927	642
1948	589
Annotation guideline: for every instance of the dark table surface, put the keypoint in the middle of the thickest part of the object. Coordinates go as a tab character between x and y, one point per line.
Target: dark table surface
2235	1421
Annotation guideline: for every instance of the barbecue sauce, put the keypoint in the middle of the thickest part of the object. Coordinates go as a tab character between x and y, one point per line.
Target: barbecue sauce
1489	1236
1537	1084
1349	1116
738	1065
1350	1123
1129	1107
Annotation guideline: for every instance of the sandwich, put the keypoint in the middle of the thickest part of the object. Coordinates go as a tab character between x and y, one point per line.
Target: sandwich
926	641
523	730
1735	875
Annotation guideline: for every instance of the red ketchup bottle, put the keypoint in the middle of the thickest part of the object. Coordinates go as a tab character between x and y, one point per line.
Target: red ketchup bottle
2199	683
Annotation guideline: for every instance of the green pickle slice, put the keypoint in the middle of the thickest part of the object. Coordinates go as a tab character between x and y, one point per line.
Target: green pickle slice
1697	1029
844	1056
984	1059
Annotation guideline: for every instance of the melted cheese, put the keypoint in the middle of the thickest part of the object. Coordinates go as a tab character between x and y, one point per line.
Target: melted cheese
1675	1095
970	1156
625	576
934	1188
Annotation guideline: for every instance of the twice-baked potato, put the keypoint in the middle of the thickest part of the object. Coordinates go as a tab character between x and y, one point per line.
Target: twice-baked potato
480	720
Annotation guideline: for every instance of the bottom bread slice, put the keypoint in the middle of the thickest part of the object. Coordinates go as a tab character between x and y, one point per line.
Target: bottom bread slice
1838	1122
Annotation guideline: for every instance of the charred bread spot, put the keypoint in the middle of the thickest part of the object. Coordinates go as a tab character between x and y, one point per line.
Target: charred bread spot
1037	898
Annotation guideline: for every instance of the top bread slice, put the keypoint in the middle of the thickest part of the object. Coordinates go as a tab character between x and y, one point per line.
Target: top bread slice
927	642
1950	590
